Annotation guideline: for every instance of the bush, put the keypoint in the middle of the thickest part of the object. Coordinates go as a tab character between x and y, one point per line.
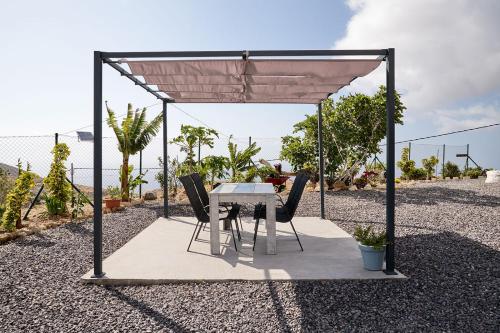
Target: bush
397	180
417	174
17	197
360	182
56	183
6	184
451	170
405	164
54	205
366	236
113	192
473	173
429	164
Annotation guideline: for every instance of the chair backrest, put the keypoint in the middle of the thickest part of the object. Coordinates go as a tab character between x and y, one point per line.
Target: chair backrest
200	187
194	198
298	186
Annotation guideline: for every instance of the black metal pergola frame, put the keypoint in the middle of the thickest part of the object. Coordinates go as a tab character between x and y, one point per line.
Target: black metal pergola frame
100	58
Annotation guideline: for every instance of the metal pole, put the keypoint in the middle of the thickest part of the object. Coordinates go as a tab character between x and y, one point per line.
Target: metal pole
199	151
467	159
140	173
409	150
56	138
165	161
442	163
390	189
321	163
72	172
97	165
249	144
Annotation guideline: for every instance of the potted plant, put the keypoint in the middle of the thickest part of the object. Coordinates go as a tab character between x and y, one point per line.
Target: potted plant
372	246
113	197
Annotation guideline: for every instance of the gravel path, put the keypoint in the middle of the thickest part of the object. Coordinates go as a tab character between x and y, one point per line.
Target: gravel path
448	243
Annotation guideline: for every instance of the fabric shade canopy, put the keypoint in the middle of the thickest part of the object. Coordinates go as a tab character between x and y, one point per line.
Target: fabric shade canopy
251	81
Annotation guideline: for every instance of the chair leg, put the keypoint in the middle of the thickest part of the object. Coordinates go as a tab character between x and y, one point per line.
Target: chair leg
301	248
199	229
204	226
237	228
234	238
241	224
194	232
256	229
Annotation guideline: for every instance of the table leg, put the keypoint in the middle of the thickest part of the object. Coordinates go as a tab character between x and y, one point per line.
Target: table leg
214	225
271	224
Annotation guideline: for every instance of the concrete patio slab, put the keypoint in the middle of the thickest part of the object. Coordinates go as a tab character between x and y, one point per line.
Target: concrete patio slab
158	255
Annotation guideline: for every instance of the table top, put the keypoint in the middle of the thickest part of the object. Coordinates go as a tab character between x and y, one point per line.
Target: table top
244	188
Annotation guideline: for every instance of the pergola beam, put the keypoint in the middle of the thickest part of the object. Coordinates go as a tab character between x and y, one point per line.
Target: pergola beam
258	53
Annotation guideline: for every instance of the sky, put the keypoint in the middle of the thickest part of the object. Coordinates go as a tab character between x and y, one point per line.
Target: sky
447	60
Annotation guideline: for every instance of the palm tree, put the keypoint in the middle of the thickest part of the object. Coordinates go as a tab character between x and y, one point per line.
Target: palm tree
133	136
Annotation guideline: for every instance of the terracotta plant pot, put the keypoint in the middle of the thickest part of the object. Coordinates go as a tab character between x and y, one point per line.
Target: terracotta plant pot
112	203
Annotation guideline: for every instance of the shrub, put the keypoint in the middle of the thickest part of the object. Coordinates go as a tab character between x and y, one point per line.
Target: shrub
17	197
54	205
405	164
473	173
366	236
173	180
429	164
360	182
6	184
55	183
417	174
397	180
451	170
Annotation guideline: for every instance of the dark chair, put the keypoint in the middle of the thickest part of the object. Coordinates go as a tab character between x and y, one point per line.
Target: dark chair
202	193
286	211
202	212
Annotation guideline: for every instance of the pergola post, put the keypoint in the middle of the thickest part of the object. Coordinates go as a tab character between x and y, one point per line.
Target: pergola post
98	273
321	163
165	160
390	189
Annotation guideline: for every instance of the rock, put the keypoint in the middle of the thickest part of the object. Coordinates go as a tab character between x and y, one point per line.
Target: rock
150	195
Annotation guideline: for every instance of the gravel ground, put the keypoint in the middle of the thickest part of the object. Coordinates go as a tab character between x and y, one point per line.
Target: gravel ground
448	244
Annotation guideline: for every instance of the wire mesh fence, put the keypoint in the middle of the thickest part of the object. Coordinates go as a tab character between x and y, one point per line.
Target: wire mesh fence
37	151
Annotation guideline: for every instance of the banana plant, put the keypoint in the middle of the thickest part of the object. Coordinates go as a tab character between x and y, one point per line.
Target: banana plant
134	134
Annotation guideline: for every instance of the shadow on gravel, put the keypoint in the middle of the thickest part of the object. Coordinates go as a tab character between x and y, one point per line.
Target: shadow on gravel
36	240
452	286
426	196
148	311
79	229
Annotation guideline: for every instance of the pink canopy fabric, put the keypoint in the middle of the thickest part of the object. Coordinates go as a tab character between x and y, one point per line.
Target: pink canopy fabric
251	81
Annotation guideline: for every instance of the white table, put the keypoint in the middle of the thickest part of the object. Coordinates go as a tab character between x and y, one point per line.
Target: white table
243	192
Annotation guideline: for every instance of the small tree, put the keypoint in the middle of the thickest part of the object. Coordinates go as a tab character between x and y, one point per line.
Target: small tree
134	134
240	161
190	137
216	167
429	165
405	164
55	183
17	197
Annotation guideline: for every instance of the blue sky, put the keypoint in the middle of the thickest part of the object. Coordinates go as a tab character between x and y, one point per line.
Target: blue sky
47	85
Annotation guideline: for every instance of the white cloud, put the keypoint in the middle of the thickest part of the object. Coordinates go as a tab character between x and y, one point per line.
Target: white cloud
462	118
447	52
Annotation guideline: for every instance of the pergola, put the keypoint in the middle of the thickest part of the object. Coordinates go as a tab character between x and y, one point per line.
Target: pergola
277	76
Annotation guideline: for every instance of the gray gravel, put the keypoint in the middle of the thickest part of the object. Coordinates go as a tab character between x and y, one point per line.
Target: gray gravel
448	243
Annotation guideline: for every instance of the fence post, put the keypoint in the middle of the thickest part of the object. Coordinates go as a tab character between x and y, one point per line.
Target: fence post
249	144
72	172
140	173
409	150
199	151
444	157
467	159
56	138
